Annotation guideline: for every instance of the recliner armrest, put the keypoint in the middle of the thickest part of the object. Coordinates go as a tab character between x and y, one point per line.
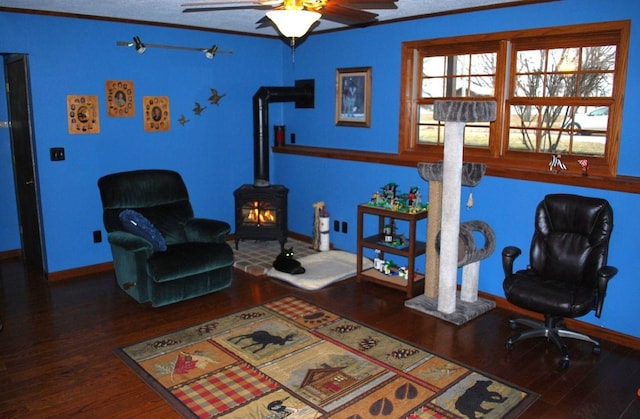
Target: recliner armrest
129	241
509	255
206	230
604	275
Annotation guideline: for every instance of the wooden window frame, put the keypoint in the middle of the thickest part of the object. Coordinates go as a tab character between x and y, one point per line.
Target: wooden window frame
497	156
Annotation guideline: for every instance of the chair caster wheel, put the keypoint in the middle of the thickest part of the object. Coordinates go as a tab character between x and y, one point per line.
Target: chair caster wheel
564	364
513	325
509	345
596	350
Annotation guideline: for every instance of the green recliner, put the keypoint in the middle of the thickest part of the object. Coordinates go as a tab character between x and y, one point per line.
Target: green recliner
193	257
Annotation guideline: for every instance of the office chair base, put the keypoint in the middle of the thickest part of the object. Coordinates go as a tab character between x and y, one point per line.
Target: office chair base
554	329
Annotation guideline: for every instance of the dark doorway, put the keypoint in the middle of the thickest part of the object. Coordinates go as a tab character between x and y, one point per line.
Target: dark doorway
16	67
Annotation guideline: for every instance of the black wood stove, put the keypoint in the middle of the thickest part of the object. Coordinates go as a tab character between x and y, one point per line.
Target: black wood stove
261	213
261	208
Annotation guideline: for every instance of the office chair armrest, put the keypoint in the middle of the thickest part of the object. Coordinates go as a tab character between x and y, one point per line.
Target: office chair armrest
604	275
509	254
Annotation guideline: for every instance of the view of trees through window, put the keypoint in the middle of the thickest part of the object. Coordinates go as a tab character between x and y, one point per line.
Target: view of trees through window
558	81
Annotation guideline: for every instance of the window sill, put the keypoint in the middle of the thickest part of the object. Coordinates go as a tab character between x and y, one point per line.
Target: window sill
619	183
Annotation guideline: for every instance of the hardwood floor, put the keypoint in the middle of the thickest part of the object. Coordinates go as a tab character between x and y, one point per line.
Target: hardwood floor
57	360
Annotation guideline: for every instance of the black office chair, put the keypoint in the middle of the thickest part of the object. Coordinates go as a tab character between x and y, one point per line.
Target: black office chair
568	272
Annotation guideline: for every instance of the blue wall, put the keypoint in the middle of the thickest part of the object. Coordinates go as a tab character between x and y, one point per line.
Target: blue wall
214	151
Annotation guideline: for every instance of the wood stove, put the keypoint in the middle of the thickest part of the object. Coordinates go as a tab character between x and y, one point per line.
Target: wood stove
261	213
261	208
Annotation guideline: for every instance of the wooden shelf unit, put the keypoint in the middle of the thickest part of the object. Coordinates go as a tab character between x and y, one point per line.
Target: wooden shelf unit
411	252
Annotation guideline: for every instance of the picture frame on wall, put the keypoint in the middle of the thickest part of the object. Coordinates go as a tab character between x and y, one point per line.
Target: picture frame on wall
120	98
156	113
83	115
353	96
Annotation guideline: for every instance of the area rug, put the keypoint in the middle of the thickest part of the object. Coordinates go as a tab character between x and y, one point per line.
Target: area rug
291	358
322	269
256	256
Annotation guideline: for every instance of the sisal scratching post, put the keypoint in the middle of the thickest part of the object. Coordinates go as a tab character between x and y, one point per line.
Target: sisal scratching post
432	173
455	114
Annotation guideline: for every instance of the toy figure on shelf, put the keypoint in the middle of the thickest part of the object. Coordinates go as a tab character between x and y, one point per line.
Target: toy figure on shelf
386	267
556	163
414	201
390	190
584	164
377	262
389	197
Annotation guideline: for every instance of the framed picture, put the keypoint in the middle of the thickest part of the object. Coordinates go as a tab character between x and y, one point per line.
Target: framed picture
353	96
120	98
82	114
156	113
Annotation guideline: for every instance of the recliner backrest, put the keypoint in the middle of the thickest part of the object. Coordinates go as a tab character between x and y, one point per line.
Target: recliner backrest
159	195
571	238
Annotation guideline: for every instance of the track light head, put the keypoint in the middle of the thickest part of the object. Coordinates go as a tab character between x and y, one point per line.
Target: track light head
211	52
140	48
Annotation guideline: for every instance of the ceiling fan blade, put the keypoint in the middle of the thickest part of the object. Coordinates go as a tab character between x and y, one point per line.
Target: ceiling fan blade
264	22
230	3
347	15
370	4
216	8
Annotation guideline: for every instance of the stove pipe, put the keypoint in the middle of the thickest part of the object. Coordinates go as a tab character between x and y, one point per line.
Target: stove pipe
302	94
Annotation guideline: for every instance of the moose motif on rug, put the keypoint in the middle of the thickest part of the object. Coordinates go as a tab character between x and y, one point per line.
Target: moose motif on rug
263	338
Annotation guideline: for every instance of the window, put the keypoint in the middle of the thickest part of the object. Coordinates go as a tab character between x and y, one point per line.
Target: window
559	92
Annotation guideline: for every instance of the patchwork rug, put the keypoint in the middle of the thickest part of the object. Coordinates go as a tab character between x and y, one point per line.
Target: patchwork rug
290	358
322	269
255	257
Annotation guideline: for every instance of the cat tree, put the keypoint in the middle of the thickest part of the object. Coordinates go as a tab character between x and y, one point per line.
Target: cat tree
449	243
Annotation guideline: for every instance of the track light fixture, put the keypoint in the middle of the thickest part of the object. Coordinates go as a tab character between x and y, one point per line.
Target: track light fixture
210	53
140	48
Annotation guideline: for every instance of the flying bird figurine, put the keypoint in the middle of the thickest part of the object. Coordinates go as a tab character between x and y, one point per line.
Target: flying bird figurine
183	120
198	109
215	97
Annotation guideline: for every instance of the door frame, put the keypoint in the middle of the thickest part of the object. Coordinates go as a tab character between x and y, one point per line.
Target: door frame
25	171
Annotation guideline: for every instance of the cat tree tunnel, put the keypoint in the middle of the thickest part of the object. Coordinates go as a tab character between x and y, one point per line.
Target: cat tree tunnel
451	244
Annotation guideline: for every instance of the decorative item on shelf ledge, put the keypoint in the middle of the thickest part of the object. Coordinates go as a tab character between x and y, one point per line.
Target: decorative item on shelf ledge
390	198
278	135
584	165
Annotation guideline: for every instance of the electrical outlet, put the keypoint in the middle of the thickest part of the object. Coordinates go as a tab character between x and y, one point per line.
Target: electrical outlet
56	153
344	227
336	225
97	236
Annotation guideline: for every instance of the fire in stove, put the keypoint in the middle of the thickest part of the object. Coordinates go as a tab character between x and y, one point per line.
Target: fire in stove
260	213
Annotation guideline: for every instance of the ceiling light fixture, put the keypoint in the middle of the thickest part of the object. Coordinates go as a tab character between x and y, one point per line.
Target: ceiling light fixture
292	21
141	48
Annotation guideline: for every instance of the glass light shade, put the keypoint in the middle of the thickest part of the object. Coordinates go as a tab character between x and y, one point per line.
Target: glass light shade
293	23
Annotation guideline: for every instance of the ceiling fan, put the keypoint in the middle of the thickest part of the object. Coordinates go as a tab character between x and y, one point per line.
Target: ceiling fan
347	12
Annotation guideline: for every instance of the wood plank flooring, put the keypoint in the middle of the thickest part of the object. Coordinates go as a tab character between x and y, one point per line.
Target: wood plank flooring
56	349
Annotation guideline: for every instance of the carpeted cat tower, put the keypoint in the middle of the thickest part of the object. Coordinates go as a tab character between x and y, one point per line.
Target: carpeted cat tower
450	244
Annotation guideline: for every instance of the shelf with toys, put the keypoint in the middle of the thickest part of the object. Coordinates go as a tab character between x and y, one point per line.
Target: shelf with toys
390	209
